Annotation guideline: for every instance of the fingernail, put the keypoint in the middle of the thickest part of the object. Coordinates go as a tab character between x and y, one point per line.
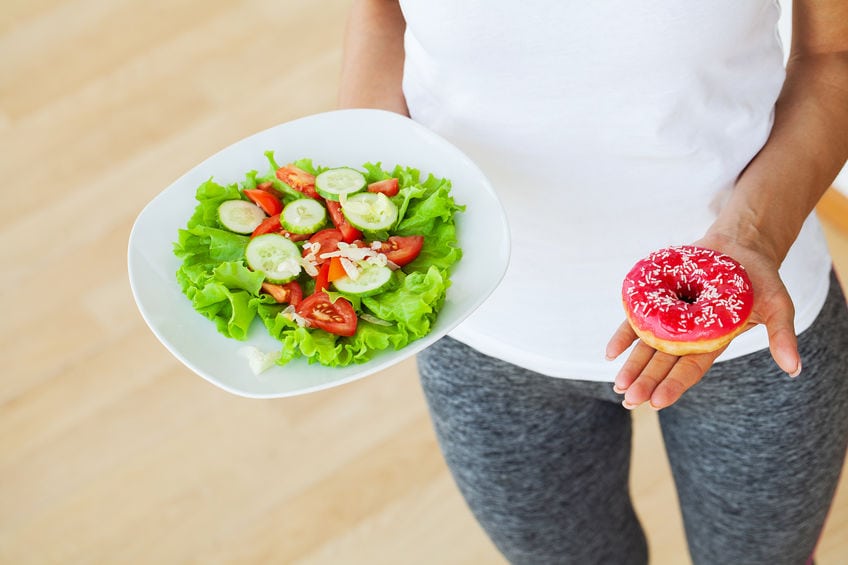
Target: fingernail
618	390
796	372
628	405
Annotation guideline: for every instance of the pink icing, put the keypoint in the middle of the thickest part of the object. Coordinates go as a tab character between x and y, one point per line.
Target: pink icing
688	293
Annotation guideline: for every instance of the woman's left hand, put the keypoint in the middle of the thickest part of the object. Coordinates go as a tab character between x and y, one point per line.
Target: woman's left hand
660	378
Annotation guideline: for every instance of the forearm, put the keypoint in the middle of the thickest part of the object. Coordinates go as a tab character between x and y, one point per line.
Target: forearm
807	147
372	66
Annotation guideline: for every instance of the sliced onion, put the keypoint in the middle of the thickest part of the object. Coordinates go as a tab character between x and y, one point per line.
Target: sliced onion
309	265
350	268
259	360
290	313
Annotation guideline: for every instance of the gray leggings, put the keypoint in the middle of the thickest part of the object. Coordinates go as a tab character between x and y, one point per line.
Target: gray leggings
544	462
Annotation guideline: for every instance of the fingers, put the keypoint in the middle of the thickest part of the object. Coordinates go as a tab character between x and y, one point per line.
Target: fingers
633	366
652	376
621	340
655	367
779	320
687	371
645	372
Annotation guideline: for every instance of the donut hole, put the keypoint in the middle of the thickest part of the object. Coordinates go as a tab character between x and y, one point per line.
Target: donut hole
688	292
687	298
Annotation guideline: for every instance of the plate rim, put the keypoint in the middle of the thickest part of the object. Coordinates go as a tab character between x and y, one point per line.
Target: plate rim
374	365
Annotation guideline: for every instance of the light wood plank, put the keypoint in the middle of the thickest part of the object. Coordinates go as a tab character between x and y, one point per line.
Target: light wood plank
833	210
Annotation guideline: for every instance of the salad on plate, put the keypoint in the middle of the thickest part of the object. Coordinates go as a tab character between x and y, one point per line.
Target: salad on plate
338	263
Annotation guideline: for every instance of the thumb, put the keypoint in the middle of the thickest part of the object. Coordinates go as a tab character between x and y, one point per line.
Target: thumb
779	319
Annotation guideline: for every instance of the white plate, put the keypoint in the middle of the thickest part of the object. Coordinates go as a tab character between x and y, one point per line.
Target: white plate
344	137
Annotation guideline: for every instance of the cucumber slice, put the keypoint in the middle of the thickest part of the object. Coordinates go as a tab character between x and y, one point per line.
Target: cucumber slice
304	216
240	216
371	280
370	211
332	183
274	255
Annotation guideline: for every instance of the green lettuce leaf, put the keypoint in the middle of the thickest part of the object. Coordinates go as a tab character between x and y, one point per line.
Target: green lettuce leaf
214	277
222	295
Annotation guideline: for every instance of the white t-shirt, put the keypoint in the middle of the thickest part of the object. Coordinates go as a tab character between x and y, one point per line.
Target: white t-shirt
609	129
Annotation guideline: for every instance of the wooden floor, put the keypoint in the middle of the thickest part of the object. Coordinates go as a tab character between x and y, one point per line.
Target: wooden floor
110	450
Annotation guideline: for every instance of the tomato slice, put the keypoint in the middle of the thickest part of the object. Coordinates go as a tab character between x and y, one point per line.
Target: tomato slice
268	225
269	203
269	187
349	233
389	187
337	317
327	240
289	293
402	249
299	180
322	279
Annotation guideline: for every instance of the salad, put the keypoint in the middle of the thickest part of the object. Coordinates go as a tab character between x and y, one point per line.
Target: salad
338	263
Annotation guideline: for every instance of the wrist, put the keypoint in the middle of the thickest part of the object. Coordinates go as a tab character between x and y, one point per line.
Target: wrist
761	216
746	231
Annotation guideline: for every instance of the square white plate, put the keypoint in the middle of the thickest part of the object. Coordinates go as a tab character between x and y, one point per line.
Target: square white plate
332	139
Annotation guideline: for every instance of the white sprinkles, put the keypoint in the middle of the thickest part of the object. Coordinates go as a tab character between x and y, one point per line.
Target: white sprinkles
686	288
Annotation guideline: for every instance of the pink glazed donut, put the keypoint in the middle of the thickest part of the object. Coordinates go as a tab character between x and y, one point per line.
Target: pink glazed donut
687	299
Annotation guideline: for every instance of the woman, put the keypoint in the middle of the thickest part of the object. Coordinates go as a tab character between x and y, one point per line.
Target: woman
610	129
